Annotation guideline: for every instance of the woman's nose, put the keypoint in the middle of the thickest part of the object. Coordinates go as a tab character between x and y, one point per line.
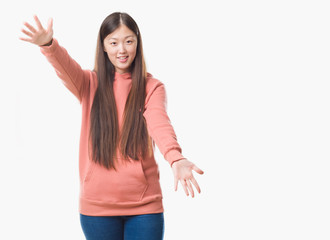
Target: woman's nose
122	48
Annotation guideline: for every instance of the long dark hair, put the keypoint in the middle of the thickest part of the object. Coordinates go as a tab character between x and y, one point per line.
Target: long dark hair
105	135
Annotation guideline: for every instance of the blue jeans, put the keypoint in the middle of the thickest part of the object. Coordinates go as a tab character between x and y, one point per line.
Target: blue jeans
133	227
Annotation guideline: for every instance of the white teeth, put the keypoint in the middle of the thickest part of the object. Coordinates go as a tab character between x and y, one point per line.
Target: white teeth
122	57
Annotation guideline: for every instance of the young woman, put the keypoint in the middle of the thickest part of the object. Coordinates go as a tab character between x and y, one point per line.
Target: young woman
123	116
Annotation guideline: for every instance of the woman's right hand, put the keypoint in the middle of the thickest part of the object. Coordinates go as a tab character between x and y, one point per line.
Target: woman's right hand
40	36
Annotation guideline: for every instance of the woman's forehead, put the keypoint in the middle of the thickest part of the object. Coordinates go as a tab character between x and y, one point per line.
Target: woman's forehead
122	32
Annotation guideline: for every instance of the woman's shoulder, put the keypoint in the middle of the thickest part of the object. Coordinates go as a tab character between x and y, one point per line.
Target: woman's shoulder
154	86
152	82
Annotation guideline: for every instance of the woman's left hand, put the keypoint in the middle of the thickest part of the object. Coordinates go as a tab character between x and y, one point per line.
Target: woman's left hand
182	170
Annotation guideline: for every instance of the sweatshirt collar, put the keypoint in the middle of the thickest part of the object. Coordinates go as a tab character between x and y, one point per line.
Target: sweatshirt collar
126	75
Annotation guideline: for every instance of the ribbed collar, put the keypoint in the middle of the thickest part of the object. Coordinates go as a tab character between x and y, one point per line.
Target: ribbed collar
126	75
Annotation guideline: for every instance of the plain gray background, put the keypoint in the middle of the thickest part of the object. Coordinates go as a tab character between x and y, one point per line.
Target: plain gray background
248	96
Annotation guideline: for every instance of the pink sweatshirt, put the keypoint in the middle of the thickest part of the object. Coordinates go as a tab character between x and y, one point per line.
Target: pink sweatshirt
134	188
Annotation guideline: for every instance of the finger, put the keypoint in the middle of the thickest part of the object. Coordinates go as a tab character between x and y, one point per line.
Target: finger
184	185
175	184
25	39
190	188
193	180
27	33
32	29
50	24
38	22
198	170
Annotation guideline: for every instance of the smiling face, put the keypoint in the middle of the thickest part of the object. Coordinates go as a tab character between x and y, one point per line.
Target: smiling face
120	46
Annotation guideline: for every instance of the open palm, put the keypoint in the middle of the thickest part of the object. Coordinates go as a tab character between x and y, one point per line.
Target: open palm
39	36
182	171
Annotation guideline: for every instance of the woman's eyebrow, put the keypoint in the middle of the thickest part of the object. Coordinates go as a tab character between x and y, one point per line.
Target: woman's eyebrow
125	37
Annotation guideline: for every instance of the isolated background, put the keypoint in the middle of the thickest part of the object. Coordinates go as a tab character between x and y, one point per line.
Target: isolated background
248	96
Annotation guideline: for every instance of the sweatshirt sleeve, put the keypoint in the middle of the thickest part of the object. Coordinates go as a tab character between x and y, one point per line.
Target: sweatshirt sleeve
73	76
159	125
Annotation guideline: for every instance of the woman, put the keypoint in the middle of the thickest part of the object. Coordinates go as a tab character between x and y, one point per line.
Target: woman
123	116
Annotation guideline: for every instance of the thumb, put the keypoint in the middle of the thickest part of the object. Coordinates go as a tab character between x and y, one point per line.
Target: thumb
198	170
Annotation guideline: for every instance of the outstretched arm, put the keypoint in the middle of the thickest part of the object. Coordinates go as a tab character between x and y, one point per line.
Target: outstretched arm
74	77
161	130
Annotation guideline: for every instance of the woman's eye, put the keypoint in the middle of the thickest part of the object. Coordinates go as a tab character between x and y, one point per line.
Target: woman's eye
113	43
129	41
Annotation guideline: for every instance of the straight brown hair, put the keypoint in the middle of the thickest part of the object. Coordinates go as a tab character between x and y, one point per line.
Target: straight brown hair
104	135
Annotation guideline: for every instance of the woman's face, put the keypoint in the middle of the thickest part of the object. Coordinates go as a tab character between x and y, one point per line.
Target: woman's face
120	46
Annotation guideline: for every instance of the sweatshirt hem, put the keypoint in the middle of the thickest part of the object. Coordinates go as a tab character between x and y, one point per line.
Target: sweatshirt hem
99	208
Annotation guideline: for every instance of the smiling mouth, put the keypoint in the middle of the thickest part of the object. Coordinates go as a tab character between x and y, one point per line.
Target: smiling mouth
123	59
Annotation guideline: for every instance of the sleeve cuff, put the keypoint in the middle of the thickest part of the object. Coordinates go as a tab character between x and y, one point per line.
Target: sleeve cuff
173	156
49	49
